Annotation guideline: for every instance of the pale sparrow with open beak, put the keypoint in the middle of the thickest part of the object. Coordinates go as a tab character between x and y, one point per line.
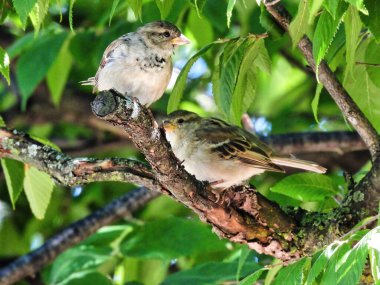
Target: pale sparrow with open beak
222	154
138	64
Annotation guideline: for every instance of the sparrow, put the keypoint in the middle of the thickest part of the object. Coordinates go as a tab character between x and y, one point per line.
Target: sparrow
138	64
222	154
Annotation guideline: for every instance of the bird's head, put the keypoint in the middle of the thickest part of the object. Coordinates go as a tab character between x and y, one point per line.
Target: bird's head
181	122
163	35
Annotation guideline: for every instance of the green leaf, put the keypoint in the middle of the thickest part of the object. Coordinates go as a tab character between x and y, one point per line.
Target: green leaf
4	64
2	122
314	9
352	25
113	9
76	261
164	6
325	31
315	102
245	87
306	187
87	277
23	8
356	3
331	6
292	274
245	251
374	258
373	17
179	87
209	273
174	237
230	7
362	90
59	72
38	13
352	263
14	177
330	274
71	6
198	4
38	187
136	6
235	74
321	262
373	60
34	64
251	279
298	27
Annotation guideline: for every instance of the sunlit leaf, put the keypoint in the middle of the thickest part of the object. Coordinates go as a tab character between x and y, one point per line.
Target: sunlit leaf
357	3
23	8
14	177
71	6
136	6
230	7
198	4
179	87
362	90
34	64
251	279
113	9
331	6
352	25
329	276
38	187
325	31
292	274
306	187
320	263
77	260
59	72
315	102
4	64
298	27
38	13
164	6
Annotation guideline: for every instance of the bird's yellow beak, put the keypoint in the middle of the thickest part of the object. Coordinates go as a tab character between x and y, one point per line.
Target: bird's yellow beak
181	40
168	126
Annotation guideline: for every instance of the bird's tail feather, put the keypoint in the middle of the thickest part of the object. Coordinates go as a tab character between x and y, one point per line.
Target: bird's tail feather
90	81
298	163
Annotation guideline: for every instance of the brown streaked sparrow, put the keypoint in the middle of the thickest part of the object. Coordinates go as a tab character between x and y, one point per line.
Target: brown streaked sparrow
138	64
222	154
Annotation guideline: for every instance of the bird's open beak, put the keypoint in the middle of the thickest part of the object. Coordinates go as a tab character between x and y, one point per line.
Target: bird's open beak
181	40
168	126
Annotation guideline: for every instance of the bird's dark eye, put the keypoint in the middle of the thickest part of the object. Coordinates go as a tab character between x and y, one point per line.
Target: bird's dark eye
180	121
166	34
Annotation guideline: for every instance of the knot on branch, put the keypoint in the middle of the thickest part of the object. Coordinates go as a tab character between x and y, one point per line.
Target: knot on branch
105	103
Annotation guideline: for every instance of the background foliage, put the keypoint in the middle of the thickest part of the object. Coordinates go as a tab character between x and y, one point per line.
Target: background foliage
239	61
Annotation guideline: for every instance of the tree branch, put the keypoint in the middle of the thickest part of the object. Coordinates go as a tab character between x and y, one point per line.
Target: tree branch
242	215
348	107
29	264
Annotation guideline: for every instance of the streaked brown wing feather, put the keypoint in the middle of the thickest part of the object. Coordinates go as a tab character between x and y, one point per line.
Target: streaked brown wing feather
231	142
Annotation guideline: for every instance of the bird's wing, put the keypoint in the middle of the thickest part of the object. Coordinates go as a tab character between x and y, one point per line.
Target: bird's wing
231	142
